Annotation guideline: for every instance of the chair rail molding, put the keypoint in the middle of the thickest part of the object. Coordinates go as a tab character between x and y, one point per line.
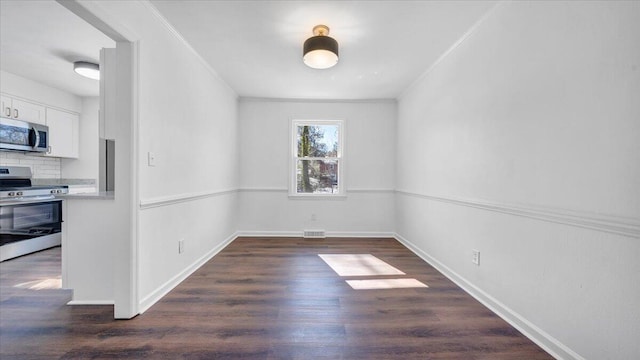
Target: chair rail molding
349	190
613	224
179	198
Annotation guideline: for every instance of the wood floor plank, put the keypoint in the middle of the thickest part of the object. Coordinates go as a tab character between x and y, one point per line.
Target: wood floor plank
262	298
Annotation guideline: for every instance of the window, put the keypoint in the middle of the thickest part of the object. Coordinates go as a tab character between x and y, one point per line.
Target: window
316	168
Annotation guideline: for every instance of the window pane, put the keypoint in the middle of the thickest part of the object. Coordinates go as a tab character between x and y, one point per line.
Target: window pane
317	140
317	176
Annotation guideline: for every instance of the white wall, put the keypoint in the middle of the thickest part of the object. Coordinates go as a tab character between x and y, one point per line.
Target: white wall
523	143
88	234
86	166
98	234
265	207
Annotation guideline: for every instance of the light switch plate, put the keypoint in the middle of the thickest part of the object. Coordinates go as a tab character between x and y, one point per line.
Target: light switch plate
151	158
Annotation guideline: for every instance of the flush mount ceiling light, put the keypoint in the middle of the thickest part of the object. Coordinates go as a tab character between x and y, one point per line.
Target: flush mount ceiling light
320	51
87	69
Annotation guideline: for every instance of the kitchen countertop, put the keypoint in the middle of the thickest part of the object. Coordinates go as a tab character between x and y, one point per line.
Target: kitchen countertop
69	182
89	184
100	195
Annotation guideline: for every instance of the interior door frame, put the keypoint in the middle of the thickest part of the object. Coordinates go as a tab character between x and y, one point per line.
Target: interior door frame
125	112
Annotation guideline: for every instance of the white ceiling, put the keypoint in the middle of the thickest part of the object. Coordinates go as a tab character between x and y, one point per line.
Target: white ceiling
40	40
256	46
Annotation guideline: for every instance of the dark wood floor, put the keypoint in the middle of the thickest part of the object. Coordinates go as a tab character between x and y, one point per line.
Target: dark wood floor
262	299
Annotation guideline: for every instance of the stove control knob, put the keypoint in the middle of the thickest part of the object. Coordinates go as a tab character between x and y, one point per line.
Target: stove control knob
58	191
11	193
53	191
19	193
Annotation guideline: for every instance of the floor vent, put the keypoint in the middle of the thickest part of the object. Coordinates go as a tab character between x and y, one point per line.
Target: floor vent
314	234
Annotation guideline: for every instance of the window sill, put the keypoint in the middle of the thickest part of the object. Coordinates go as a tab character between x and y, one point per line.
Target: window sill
317	196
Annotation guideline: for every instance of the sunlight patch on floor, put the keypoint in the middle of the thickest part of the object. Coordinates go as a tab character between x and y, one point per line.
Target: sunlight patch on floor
46	284
385	284
358	265
368	265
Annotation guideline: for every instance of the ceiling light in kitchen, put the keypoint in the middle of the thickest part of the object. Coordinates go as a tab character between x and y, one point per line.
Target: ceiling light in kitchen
87	69
320	51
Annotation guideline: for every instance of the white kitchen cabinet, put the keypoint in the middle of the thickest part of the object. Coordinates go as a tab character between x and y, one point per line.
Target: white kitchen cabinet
63	126
64	129
22	110
108	91
5	102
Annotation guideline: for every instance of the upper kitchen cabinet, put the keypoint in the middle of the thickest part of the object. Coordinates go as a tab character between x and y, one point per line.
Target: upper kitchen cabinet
63	133
107	91
22	110
64	126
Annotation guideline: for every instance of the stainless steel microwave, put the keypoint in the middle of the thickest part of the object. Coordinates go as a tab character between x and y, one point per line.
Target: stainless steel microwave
20	135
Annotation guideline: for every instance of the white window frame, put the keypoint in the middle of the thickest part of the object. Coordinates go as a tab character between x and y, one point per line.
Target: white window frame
293	160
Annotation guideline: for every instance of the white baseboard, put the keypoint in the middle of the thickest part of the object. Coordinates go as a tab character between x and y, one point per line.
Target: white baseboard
164	289
333	234
91	302
531	331
252	233
360	234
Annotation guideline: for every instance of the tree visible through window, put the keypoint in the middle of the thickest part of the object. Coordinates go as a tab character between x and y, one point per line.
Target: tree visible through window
317	155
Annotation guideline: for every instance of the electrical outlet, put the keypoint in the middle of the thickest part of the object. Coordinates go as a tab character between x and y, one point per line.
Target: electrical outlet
180	246
476	257
314	217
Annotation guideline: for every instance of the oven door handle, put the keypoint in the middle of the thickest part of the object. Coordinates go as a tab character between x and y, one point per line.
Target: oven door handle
25	199
35	138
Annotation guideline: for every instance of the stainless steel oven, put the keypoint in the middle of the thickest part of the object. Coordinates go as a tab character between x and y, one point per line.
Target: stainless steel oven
26	227
30	216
